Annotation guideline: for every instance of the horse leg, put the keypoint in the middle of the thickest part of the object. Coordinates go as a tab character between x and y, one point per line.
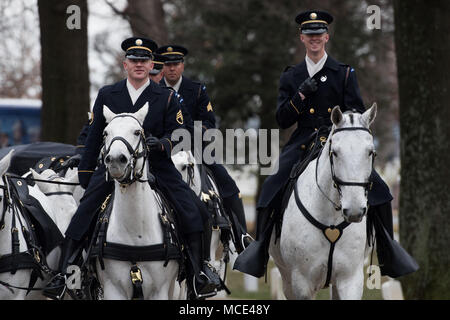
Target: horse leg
178	291
112	291
215	240
161	294
301	287
334	294
287	286
350	288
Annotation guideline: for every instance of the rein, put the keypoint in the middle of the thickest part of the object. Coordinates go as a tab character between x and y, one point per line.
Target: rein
41	180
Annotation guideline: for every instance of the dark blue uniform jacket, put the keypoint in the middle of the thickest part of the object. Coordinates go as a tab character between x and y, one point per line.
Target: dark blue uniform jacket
335	87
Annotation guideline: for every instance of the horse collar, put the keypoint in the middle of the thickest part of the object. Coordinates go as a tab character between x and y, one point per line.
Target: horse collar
332	233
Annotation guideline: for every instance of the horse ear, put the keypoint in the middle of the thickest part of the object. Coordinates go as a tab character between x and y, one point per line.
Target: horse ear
35	174
369	115
142	113
5	162
336	115
108	114
71	176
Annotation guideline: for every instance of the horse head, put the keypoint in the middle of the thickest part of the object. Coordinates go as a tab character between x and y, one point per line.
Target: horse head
124	148
352	153
50	175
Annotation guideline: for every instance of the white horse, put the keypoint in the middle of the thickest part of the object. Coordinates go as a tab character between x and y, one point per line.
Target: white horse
134	219
60	213
58	201
333	190
186	164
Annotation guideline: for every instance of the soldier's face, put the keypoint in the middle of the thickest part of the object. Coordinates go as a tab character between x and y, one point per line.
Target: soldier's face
137	69
173	72
157	78
314	43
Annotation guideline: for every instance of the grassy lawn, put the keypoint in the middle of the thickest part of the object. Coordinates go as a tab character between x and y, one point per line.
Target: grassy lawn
235	282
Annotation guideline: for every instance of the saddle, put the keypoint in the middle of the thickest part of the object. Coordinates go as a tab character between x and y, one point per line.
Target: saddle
47	232
40	232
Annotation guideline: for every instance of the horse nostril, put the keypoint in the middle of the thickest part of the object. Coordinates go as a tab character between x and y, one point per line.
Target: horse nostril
345	212
123	159
108	159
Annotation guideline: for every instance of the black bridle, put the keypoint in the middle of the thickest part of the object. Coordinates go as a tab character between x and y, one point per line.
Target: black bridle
337	182
134	152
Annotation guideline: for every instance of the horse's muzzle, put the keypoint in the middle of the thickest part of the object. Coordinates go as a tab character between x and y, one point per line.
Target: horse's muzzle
354	216
117	166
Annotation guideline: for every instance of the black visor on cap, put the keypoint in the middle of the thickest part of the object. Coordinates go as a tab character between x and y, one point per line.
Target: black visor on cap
154	72
314	30
138	54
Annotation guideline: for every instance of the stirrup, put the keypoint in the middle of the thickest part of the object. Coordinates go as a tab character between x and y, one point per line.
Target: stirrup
210	287
54	290
246	239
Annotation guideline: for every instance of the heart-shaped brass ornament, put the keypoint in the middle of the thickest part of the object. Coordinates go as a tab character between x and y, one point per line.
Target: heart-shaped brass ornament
332	234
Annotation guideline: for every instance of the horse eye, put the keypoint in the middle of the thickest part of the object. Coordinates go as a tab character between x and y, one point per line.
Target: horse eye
137	132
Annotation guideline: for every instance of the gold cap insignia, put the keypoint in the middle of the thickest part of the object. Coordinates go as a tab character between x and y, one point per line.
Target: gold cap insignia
209	107
313	16
169	49
138	42
180	117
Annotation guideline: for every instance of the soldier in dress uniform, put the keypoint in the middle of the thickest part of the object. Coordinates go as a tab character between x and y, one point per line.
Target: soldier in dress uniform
157	73
129	95
197	107
307	93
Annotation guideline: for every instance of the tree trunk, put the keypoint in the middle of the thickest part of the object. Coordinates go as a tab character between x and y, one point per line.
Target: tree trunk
65	74
146	19
423	67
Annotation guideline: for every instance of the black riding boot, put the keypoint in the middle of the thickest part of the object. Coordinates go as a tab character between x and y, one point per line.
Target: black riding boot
253	260
394	261
236	212
56	288
202	281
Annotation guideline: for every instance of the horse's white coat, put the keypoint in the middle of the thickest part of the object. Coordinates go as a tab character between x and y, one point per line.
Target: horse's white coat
301	253
60	209
182	160
134	221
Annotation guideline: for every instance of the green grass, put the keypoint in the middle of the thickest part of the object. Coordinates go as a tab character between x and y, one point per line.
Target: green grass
235	282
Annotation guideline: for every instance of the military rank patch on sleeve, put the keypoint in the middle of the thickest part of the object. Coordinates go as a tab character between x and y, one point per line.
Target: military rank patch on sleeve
179	117
209	107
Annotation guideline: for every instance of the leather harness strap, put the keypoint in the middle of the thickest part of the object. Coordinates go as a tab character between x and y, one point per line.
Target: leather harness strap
332	233
101	249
